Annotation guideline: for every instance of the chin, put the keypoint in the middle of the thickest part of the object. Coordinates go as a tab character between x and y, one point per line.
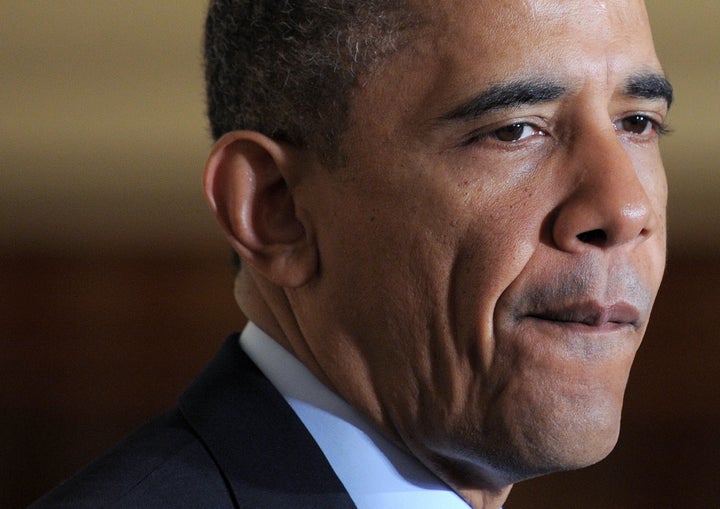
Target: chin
523	467
511	454
594	450
568	437
572	446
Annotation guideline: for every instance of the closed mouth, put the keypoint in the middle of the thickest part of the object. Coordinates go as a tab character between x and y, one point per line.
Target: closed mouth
590	314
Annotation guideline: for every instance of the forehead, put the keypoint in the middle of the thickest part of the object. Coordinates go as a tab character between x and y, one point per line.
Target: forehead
515	32
493	17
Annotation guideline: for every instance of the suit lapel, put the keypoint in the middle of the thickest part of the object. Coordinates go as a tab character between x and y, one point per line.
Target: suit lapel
264	452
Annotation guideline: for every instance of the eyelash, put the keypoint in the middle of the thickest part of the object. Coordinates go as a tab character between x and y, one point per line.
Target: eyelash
658	129
493	135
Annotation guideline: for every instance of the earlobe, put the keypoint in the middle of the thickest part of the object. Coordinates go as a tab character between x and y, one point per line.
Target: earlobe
246	181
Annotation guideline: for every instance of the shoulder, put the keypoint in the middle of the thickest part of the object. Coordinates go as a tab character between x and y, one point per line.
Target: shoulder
162	464
232	441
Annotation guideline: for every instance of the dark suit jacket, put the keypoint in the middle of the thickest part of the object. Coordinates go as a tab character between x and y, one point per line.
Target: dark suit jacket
232	441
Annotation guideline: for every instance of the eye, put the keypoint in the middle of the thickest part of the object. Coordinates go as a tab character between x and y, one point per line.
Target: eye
505	136
640	125
515	132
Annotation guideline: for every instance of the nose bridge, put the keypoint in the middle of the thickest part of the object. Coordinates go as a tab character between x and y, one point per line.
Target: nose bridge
608	204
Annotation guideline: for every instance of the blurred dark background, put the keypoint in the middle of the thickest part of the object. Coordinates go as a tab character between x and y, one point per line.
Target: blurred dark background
115	287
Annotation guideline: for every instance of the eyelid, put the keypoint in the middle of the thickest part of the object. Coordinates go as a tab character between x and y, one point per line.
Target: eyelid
487	130
655	115
654	110
660	127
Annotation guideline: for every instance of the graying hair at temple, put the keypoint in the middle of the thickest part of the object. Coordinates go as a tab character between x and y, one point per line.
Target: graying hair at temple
285	68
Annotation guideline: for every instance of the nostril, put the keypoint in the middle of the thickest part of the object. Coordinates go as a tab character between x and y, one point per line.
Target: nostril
595	237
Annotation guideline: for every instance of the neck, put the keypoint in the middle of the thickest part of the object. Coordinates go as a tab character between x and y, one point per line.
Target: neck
479	499
268	307
482	487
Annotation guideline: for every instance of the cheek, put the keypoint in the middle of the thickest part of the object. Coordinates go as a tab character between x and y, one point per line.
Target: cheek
500	241
651	173
385	259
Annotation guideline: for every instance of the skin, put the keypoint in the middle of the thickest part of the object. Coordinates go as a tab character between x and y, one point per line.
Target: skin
476	279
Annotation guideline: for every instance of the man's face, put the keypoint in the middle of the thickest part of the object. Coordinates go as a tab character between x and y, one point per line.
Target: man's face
491	251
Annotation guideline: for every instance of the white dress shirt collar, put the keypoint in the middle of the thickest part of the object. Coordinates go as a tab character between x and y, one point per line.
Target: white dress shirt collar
376	473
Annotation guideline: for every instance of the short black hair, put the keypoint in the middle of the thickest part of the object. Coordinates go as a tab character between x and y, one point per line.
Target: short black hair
285	68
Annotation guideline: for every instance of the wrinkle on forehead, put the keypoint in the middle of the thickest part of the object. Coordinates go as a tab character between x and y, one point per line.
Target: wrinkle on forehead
535	10
604	13
498	17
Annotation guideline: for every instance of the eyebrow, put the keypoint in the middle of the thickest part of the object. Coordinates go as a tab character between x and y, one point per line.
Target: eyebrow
649	86
506	95
536	91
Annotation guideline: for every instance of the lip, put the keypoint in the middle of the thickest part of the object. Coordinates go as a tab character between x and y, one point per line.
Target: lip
589	316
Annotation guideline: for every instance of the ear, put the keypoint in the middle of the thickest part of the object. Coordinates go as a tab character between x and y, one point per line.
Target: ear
247	184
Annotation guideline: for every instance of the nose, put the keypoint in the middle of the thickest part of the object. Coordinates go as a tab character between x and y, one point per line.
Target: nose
608	205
